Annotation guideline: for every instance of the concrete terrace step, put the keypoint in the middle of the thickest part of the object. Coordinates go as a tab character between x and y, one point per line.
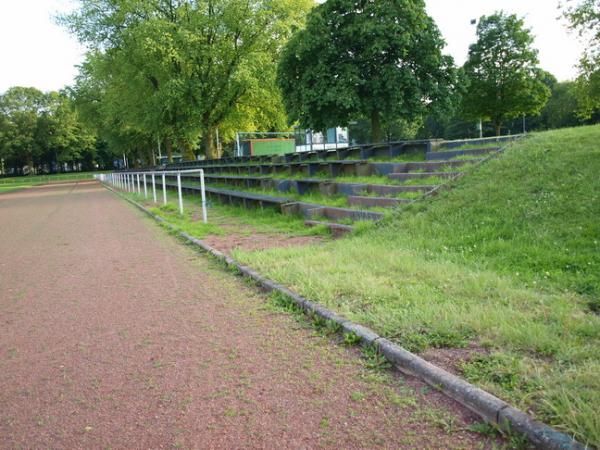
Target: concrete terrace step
248	195
264	182
387	189
448	154
285	205
422	175
337	229
234	197
366	151
329	187
385	202
311	210
333	168
227	177
303	186
343	213
385	168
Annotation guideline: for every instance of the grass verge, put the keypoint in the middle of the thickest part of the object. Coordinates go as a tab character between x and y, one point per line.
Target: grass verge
37	179
13	187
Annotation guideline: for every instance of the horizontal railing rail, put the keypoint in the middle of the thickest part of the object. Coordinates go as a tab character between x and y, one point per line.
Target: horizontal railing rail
133	181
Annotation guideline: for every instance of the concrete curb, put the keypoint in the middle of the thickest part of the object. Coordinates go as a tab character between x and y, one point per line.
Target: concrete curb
490	408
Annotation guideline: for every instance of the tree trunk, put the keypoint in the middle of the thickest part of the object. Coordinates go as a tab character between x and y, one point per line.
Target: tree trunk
498	126
30	164
169	147
375	126
147	158
187	150
209	144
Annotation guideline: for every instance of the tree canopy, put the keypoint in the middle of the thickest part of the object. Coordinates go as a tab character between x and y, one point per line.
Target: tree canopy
180	69
42	131
584	17
504	80
381	60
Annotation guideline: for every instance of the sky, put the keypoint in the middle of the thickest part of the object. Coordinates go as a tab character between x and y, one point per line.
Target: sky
559	48
35	51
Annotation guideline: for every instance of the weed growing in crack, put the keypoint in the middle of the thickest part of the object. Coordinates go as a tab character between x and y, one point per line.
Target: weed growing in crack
351	339
374	360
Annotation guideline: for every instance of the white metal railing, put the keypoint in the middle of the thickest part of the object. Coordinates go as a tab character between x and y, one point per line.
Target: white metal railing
133	182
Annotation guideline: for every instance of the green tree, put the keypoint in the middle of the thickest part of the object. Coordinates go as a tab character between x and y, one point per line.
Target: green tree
381	60
181	69
584	17
504	80
21	108
105	102
562	108
41	130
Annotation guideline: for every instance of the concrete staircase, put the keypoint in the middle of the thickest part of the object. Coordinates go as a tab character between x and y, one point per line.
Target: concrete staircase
413	168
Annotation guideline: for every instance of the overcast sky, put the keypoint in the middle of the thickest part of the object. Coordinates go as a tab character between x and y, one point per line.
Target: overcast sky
34	51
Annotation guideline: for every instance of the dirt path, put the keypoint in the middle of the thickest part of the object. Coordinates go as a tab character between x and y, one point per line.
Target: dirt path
114	335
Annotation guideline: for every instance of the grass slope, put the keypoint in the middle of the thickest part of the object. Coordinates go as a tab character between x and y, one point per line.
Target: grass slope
507	262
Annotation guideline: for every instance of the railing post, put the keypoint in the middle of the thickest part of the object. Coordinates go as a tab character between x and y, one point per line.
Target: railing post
154	187
204	218
145	188
179	193
139	191
164	190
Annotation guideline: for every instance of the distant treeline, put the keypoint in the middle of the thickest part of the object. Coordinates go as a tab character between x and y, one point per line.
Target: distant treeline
41	133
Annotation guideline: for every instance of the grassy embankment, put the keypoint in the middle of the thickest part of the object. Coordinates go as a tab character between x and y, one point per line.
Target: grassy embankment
506	264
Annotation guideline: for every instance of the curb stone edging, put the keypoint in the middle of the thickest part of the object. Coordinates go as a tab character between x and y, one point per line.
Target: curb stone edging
489	407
